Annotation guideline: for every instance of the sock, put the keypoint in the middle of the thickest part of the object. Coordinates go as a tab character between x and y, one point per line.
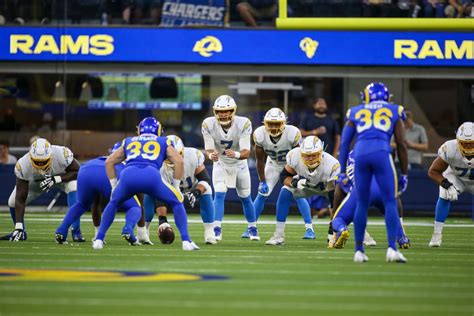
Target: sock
309	226
141	233
181	221
219	205
251	224
283	205
72	216
218	223
108	217
132	217
96	229
12	214
258	205
360	223
71	200
149	206
280	228
305	210
392	221
206	208
442	210
249	211
438	228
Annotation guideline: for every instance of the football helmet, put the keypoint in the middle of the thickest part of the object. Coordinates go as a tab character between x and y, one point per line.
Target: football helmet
41	155
375	91
116	146
311	151
177	143
224	110
275	122
465	139
149	125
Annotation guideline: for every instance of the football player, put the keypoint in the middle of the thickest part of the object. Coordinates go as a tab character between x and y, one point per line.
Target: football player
92	182
227	143
195	184
453	171
44	167
144	155
308	171
374	122
273	141
346	201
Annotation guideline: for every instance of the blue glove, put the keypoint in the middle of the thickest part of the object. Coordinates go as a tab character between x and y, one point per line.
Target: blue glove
263	187
402	183
344	182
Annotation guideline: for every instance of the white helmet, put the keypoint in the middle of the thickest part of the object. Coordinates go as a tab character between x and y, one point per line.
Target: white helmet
465	139
41	154
177	143
224	103
311	151
274	121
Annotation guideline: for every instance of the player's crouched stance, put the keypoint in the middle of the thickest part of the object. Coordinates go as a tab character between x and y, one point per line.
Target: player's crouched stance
453	171
45	167
144	156
308	171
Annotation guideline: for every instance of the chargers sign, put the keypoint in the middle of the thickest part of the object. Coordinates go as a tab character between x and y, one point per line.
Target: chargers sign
227	46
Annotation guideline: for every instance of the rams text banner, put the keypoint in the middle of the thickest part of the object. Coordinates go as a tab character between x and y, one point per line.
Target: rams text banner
209	46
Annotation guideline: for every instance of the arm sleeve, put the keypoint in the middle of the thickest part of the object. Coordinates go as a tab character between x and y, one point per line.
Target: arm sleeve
206	133
346	139
244	142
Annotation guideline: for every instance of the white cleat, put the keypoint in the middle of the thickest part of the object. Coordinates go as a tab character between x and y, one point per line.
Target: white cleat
190	246
276	240
368	240
98	244
210	238
435	240
395	256
360	257
145	241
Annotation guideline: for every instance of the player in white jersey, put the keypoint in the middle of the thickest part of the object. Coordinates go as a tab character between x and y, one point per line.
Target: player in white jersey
453	171
227	143
45	166
308	171
273	141
195	185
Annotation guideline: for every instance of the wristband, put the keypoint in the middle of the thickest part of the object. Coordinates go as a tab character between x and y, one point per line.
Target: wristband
237	155
445	184
113	182
294	182
57	179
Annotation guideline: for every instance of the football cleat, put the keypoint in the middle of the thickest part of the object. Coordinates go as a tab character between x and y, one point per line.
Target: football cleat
395	256
218	233
360	257
131	239
436	240
404	242
245	234
309	234
253	234
143	238
189	245
77	235
9	236
98	244
60	239
209	236
331	241
341	239
368	240
276	240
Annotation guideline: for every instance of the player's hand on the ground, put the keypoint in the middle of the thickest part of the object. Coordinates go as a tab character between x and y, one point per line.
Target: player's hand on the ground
214	156
402	183
192	197
452	193
230	153
18	234
263	187
48	183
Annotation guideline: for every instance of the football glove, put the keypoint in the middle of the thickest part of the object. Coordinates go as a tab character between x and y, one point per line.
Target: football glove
49	181
298	183
451	191
192	197
402	183
263	187
344	182
19	233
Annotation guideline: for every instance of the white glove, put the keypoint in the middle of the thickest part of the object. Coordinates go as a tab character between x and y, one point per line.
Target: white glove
301	184
452	193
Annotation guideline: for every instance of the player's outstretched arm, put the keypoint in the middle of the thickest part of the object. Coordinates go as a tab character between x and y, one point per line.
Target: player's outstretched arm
20	199
260	155
401	146
202	176
435	172
117	157
174	156
286	177
347	135
71	171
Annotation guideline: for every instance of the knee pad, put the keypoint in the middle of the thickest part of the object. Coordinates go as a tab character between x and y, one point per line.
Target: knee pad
207	186
243	193
70	186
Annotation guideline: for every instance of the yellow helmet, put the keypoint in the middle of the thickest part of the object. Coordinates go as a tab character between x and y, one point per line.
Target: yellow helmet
465	139
41	155
224	105
311	151
275	122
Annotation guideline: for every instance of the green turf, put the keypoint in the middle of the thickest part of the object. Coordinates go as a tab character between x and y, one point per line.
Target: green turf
298	278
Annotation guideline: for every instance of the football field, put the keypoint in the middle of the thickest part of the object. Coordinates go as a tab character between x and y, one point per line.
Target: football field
237	276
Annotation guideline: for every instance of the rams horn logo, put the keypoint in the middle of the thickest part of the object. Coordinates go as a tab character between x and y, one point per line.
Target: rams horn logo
309	46
207	46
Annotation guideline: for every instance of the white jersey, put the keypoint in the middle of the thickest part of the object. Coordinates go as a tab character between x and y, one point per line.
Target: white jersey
193	158
240	129
276	152
321	179
458	164
61	157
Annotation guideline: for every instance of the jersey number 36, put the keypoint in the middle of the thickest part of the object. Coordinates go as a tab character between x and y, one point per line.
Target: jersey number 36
380	120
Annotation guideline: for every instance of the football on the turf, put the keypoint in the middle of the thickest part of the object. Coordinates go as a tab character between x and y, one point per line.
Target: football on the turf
165	233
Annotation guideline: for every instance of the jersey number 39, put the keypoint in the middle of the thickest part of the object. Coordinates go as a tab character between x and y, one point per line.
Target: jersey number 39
150	150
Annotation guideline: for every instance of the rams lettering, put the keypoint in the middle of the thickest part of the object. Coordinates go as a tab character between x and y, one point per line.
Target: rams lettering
430	48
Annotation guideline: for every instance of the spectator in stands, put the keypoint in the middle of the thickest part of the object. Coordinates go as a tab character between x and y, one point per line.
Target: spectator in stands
252	10
417	141
458	9
323	126
433	8
378	8
5	157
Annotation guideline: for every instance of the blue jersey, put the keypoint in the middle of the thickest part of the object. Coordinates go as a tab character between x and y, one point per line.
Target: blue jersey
374	123
145	149
100	162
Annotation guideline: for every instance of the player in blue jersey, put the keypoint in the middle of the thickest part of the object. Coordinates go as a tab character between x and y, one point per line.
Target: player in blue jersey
144	155
92	182
374	122
346	205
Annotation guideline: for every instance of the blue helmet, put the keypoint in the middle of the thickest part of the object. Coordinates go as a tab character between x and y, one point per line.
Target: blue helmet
149	125
116	146
376	91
